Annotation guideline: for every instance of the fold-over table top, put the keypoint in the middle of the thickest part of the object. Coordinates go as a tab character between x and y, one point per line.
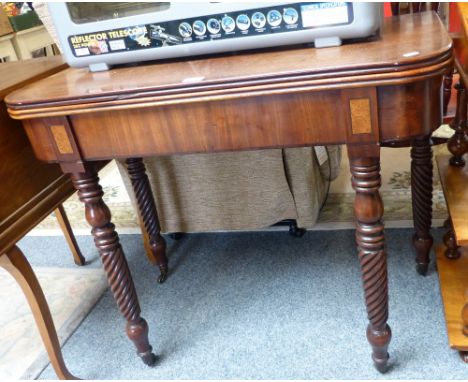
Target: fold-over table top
408	46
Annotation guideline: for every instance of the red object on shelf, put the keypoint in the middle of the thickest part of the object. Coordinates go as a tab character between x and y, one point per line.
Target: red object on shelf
455	24
387	9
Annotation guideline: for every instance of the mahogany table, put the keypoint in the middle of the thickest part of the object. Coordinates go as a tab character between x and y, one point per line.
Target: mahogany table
364	95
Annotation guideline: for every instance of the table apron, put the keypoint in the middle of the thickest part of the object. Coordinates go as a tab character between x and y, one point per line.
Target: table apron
353	116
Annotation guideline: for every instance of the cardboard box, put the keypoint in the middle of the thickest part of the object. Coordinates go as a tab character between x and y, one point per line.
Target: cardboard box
5	26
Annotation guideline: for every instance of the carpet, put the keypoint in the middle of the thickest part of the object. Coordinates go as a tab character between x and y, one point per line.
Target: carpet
265	305
71	294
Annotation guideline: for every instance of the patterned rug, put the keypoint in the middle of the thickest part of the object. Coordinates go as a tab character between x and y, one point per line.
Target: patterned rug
22	353
337	213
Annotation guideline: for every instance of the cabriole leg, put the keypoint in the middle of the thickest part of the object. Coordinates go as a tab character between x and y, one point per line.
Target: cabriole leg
368	207
421	194
113	258
17	265
149	215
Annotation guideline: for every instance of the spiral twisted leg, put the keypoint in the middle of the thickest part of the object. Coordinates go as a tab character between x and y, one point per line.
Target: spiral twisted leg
149	215
421	194
107	242
370	238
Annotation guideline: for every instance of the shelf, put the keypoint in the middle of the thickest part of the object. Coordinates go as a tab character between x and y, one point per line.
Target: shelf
453	279
455	185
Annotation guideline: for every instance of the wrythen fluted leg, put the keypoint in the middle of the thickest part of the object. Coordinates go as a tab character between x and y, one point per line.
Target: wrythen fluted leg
421	194
113	258
149	215
17	265
368	207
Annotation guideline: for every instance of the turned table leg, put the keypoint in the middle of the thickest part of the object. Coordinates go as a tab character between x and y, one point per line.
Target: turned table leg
107	242
448	80
149	215
16	264
368	207
458	143
452	249
464	315
421	194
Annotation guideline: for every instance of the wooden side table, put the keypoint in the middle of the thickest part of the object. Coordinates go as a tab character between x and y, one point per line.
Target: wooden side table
452	259
30	191
386	91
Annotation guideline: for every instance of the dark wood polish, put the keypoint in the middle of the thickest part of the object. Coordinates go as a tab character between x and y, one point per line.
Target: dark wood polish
421	194
384	92
450	241
448	81
368	209
458	143
149	215
107	242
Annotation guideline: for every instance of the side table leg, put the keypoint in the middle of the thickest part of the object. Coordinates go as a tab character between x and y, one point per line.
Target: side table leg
18	266
421	194
448	79
464	356
149	215
107	242
368	208
458	143
464	315
452	251
64	223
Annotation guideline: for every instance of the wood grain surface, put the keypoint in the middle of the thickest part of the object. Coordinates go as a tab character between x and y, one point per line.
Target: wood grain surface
454	181
409	46
364	94
453	280
30	189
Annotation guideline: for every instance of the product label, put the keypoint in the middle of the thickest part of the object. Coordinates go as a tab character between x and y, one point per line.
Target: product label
281	19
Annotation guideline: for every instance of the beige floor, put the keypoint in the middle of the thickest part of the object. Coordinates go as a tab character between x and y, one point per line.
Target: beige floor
337	213
22	353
